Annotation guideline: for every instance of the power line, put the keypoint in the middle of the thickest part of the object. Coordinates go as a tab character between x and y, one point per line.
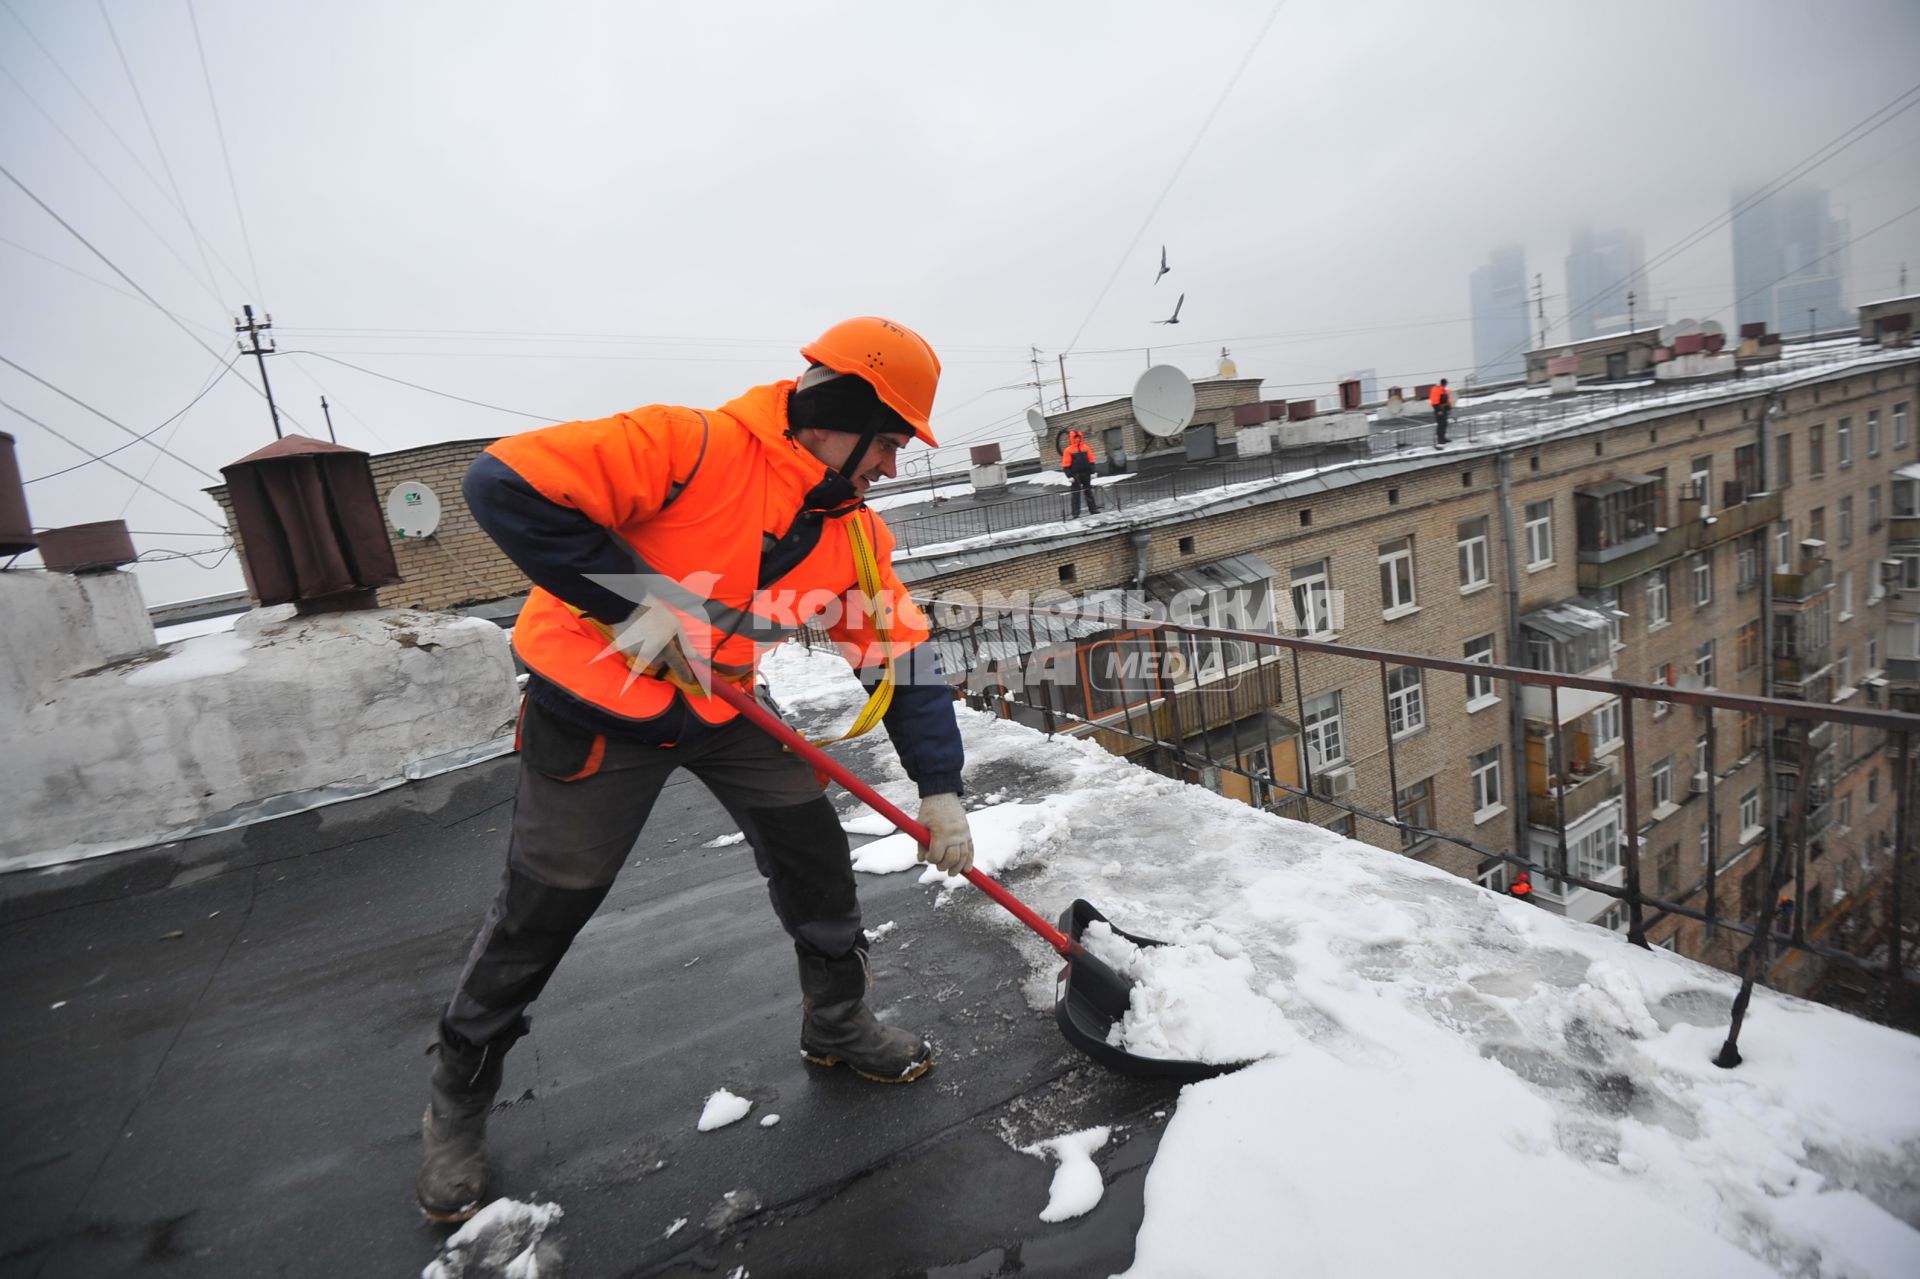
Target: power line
179	200
103	417
221	132
201	515
110	184
1127	255
538	417
1834	146
69	229
1822	258
142	437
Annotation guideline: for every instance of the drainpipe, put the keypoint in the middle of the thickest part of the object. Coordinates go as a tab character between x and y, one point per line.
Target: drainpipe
1516	715
1140	539
1766	665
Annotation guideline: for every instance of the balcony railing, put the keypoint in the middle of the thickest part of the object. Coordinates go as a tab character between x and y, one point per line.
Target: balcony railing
1811	579
1575	798
1369	789
1691	535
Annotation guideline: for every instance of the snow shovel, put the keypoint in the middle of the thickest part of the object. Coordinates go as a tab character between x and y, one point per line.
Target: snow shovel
1090	998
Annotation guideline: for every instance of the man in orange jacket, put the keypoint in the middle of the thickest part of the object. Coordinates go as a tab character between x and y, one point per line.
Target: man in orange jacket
1077	461
1442	401
651	536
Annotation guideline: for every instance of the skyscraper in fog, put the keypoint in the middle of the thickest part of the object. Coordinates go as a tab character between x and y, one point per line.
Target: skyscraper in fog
1601	270
1788	259
1499	291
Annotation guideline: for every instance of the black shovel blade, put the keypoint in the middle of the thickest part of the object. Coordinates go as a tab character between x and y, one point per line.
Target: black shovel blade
1091	999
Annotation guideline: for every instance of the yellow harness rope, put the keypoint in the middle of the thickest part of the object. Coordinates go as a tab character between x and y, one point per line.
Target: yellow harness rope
866	568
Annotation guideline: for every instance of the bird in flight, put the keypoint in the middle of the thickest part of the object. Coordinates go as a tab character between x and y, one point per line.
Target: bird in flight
1164	268
1175	317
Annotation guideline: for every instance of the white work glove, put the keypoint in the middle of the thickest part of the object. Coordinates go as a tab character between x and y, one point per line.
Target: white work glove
650	638
950	845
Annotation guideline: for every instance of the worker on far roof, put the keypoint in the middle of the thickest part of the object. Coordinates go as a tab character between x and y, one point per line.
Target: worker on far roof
1077	461
1442	401
665	534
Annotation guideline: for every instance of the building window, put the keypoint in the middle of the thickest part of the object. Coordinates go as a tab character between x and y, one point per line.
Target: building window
1473	553
1666	870
1610	605
1783	461
1662	677
1486	783
1396	576
1846	521
1842	813
1843	442
1597	852
1846	594
1746	471
1120	671
1783	547
1326	740
1480	687
1706	844
1606	727
1900	425
1703	664
1662	778
1817	452
1873	789
1749	733
1747	646
1700	484
1495	876
1746	562
1539	534
1656	599
1703	579
1873	432
1749	815
1406	707
1312	600
1906	498
1873	509
1414	805
1817	523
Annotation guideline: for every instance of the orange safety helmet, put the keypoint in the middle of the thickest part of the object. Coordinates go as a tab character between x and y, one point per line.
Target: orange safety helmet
891	358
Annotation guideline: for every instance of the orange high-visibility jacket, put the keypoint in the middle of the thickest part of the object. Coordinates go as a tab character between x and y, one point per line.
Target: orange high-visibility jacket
686	497
1076	448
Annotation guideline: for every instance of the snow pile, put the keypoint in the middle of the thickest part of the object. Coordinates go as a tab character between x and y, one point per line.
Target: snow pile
221	653
506	1239
1076	1187
1002	836
723	1108
1513	1092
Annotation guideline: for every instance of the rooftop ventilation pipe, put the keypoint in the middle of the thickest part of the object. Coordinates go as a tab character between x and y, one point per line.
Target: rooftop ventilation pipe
16	530
1141	540
311	527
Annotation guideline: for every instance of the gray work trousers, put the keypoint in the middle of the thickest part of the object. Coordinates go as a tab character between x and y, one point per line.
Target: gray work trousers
582	803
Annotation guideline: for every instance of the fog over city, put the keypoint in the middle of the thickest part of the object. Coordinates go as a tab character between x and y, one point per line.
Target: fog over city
536	213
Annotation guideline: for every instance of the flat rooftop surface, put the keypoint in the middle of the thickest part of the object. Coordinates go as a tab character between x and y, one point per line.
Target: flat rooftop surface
216	1064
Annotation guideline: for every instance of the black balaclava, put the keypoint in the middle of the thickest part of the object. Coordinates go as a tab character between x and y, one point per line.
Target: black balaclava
828	401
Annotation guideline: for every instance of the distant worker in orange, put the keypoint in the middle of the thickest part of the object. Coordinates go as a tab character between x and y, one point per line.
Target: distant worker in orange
1077	462
1442	400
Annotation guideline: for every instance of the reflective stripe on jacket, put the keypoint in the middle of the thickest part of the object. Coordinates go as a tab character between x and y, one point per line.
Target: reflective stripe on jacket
674	503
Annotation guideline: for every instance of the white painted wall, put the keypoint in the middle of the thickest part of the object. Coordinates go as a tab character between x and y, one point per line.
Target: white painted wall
284	712
55	624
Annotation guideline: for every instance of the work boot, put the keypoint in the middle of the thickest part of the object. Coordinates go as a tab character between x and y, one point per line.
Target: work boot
839	1029
453	1177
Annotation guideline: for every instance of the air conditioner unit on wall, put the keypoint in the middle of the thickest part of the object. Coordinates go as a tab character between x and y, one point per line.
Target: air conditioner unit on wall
1699	786
1335	783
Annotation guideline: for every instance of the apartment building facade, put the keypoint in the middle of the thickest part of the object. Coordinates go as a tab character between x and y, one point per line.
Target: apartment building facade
1736	539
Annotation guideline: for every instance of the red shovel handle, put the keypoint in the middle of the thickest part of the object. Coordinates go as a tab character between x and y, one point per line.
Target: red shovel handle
744	702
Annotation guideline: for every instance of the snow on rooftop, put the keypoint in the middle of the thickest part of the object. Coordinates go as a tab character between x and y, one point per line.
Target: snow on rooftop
1450	1082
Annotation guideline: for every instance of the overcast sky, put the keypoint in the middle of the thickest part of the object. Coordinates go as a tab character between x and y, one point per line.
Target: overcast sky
569	209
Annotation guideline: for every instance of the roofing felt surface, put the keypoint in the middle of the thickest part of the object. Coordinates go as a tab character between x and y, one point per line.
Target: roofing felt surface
216	1064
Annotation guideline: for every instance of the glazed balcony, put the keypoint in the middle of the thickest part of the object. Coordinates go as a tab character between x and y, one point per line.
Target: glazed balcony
1599	567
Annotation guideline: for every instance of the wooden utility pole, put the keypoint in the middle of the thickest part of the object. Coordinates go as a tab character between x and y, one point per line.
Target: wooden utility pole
250	345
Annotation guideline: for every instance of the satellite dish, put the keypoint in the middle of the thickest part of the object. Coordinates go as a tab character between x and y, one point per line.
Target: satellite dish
1713	329
1163	401
1668	332
1037	422
413	511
